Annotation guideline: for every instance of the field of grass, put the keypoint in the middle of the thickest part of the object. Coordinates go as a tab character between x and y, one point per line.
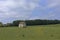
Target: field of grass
42	32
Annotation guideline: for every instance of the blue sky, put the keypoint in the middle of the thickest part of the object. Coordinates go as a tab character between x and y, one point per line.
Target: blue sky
11	10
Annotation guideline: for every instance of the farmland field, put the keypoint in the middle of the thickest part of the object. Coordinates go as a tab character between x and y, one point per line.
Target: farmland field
41	32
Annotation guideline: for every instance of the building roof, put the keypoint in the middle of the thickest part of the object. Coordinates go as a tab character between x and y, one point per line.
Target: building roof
22	23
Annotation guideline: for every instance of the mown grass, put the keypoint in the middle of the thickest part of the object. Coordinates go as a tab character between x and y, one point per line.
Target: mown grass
43	32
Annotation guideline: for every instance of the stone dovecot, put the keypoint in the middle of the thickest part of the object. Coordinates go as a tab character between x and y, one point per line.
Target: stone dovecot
22	24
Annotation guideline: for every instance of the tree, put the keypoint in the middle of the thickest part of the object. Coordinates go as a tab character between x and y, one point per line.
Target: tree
1	24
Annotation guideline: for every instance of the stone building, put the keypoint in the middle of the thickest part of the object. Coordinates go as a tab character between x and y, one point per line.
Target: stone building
22	24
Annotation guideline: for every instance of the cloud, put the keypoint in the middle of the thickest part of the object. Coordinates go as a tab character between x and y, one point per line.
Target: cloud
51	9
53	3
18	9
23	9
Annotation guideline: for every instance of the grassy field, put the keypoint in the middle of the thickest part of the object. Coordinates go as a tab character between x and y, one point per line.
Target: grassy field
42	32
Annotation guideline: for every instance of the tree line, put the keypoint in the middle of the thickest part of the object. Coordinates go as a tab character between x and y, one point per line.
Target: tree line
31	22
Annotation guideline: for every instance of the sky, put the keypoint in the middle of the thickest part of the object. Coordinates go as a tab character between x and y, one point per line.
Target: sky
11	10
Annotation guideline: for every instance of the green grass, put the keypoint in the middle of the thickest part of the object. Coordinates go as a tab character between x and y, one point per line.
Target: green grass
42	32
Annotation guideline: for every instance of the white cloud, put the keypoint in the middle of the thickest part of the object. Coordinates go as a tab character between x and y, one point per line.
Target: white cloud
21	9
53	3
